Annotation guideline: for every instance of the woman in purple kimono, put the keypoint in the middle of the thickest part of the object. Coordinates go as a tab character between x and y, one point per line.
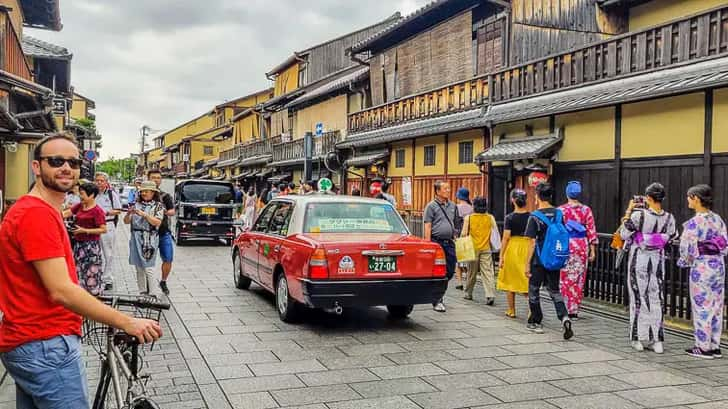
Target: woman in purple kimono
703	246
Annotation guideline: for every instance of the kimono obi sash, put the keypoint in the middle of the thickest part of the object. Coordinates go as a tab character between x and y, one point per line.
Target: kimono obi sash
576	230
712	247
651	241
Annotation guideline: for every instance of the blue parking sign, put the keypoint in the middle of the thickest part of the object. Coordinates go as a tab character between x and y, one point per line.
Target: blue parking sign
319	129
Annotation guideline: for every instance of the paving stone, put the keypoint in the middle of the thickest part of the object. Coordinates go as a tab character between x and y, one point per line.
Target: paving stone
231	372
526	361
338	376
419	357
392	387
590	385
653	379
479	352
452	399
214	397
315	394
433	345
391	402
663	396
533	404
707	392
371	349
525	392
588	355
289	367
526	375
257	400
484	341
260	383
590	369
407	371
711	405
463	381
596	401
446	334
361	361
241	358
471	365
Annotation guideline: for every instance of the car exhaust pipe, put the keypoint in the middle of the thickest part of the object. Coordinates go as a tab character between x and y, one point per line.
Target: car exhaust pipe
337	309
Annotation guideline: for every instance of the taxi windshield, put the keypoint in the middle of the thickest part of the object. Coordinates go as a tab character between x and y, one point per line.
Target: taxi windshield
352	218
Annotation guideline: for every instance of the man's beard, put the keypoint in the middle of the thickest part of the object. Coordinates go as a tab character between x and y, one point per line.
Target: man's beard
50	182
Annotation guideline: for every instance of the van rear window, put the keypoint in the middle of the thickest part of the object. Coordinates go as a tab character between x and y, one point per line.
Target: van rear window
207	193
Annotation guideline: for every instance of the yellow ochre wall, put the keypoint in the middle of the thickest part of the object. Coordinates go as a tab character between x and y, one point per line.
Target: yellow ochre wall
17	170
197	149
332	113
246	128
286	81
78	108
667	126
453	152
439	168
720	120
195	126
407	169
518	129
661	11
588	135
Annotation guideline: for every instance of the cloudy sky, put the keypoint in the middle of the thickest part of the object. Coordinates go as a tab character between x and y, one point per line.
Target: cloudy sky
162	62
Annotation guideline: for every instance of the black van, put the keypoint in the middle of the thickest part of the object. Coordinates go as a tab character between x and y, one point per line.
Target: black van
204	209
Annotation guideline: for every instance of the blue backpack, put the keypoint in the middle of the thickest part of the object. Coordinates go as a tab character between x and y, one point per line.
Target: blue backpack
554	253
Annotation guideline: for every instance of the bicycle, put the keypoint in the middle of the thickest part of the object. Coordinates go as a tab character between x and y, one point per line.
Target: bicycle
119	352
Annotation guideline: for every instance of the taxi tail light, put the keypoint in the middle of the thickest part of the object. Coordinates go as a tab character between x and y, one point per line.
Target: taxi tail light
318	264
440	268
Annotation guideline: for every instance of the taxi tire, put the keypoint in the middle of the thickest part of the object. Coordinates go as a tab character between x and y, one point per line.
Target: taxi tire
399	312
241	280
292	310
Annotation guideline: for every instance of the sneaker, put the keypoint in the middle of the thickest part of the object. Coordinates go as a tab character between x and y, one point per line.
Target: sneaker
637	345
568	332
439	307
716	353
163	286
656	347
574	317
468	297
458	287
490	301
699	353
537	328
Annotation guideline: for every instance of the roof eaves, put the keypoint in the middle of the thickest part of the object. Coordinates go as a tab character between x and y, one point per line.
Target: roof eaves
42	14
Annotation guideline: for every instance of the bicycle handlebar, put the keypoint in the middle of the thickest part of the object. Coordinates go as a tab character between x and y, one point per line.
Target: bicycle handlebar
140	301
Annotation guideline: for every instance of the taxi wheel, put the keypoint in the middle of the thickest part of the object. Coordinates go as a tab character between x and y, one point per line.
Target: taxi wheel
241	281
399	312
288	308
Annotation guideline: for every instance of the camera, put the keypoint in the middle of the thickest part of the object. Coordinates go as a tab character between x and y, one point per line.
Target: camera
640	202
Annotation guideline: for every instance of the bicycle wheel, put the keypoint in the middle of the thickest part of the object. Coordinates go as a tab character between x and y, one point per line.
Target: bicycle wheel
141	402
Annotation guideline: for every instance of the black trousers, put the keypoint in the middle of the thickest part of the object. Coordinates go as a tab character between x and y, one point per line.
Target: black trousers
539	277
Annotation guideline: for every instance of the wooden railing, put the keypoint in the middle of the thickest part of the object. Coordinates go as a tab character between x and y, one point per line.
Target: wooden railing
12	58
295	149
256	148
682	41
180	168
232	153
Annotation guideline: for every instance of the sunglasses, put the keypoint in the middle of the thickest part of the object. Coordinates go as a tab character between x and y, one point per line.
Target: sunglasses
57	161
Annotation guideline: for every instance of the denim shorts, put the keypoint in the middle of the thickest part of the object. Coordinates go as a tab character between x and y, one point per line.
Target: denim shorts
48	374
166	247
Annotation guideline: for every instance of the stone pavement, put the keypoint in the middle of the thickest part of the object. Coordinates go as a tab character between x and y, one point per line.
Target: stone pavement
226	348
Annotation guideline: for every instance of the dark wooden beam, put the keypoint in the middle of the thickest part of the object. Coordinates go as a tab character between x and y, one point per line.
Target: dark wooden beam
708	138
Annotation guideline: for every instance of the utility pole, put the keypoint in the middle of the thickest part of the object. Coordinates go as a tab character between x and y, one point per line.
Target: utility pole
144	134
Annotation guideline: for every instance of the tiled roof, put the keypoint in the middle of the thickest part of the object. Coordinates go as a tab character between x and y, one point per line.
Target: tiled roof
516	149
431	126
350	76
42	49
367	158
683	79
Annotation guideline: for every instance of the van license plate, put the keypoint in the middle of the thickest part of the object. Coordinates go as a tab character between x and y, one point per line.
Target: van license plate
208	211
382	264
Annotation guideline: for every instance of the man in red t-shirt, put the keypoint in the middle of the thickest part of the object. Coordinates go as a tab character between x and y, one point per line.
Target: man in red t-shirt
40	298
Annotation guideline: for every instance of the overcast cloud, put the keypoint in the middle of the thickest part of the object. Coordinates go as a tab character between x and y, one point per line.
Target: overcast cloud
162	62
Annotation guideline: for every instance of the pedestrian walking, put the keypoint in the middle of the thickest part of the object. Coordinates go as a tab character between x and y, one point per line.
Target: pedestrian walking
648	229
440	218
90	224
309	187
145	218
579	221
703	247
131	196
249	212
109	201
72	198
514	252
41	300
482	228
385	192
548	253
166	241
465	208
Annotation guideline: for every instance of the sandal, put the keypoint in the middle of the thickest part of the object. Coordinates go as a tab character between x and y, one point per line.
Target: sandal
511	313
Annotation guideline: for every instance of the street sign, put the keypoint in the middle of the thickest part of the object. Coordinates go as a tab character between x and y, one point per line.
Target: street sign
319	129
325	184
90	156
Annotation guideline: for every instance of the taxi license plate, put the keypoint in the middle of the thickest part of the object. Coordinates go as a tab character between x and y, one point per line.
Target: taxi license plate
208	211
382	264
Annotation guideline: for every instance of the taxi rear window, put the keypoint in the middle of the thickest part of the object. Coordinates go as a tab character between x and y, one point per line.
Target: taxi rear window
352	218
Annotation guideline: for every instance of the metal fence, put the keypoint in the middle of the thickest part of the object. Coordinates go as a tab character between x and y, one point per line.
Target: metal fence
607	283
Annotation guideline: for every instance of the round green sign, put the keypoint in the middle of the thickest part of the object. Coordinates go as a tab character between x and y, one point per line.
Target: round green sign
325	184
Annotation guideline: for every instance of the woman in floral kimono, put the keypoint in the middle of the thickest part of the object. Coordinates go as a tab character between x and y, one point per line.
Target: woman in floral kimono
703	246
145	216
648	229
579	221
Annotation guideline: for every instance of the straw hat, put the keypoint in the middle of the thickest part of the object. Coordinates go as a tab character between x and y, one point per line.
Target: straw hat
148	185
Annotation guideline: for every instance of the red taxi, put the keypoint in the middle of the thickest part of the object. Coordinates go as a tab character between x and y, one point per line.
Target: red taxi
331	252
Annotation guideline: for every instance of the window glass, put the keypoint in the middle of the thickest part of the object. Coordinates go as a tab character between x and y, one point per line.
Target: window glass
465	152
201	192
430	155
399	158
353	218
281	219
261	224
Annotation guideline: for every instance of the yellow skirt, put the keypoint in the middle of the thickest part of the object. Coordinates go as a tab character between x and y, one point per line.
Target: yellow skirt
512	275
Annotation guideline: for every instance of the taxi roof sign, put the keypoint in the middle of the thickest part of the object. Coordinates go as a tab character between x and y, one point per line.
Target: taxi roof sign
325	184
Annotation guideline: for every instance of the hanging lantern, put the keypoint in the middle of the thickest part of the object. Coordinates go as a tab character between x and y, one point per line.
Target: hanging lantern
537	177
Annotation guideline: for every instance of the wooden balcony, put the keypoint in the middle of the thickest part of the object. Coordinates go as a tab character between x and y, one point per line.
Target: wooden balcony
294	150
683	41
12	58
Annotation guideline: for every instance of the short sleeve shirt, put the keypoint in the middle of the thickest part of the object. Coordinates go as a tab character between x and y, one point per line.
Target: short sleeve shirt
32	230
516	223
536	229
108	203
89	219
168	205
443	217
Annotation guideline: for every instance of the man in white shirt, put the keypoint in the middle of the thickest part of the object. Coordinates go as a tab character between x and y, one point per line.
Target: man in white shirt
108	200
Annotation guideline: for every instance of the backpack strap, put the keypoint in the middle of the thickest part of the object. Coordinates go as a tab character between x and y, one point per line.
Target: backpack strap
541	216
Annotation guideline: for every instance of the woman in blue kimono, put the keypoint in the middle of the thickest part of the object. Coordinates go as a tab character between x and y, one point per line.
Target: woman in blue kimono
145	216
703	246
